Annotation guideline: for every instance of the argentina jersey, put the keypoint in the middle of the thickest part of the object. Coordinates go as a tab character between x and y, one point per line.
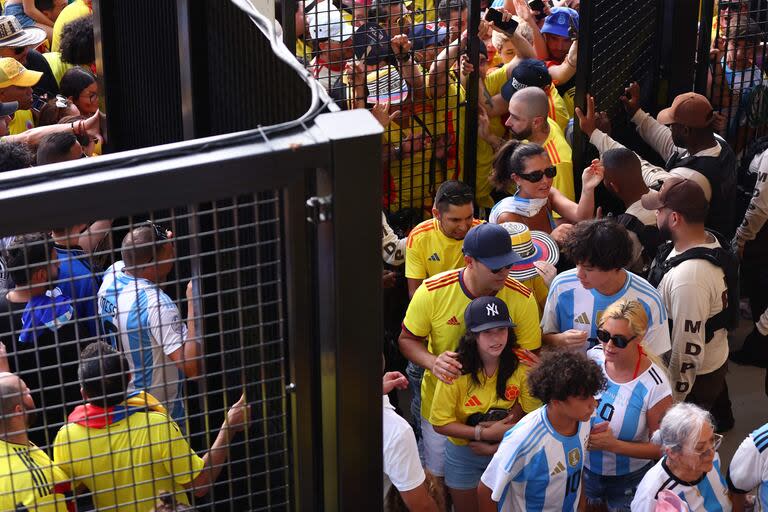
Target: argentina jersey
571	306
708	494
139	319
535	468
624	406
749	466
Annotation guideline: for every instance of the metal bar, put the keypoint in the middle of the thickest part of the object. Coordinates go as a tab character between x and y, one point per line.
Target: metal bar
473	91
185	70
702	54
583	81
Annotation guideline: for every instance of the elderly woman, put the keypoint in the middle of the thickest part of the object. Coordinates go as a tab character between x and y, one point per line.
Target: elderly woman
690	466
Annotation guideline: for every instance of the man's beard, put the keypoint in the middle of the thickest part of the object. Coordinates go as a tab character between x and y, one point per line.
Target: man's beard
524	135
664	232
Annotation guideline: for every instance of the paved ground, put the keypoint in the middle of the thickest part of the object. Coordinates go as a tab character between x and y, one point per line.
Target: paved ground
750	404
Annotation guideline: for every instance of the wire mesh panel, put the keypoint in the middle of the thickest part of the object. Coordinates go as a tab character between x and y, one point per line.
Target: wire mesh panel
737	81
169	323
402	62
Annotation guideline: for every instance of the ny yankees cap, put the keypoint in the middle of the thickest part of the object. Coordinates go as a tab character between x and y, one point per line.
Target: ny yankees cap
490	245
486	313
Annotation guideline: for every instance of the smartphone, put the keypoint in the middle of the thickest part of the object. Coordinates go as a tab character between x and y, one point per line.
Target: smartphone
497	18
37	102
496	415
573	30
537	5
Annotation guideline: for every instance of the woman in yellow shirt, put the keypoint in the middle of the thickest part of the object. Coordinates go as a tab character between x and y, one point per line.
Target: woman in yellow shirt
491	395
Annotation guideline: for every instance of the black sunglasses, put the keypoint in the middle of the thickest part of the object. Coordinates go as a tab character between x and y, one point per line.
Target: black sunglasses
497	270
159	231
619	340
536	176
455	198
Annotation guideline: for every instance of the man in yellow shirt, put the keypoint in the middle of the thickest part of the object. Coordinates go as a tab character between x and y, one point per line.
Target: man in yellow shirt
16	83
28	478
125	453
434	246
434	322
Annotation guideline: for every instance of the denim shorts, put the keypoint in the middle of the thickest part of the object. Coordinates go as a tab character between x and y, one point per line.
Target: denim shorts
616	492
463	468
17	10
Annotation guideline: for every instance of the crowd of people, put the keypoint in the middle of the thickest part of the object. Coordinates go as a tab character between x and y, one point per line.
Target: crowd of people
554	357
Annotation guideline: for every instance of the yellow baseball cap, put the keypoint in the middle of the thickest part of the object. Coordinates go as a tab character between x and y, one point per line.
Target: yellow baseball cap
13	73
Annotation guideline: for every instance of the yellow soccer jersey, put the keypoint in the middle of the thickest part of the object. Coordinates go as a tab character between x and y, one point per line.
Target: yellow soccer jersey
539	289
409	178
560	155
428	251
125	464
436	312
455	403
75	10
557	109
22	121
30	481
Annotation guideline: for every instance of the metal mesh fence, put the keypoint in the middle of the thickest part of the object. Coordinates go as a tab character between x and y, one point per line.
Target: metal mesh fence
390	66
736	84
193	300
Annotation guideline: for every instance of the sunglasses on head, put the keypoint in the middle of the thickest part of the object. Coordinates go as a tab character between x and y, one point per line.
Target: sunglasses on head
619	340
536	176
159	231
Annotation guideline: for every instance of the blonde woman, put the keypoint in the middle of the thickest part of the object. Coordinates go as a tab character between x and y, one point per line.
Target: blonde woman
629	409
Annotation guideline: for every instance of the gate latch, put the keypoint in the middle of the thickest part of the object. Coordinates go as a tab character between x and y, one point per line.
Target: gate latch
319	209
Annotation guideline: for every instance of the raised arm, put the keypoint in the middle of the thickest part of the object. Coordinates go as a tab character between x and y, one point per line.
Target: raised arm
564	71
410	70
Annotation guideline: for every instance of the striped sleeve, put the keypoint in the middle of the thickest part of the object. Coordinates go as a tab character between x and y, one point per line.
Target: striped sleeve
748	466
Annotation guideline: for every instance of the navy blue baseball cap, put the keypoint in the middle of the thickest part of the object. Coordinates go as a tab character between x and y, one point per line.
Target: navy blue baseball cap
557	22
427	34
490	245
528	73
486	313
371	43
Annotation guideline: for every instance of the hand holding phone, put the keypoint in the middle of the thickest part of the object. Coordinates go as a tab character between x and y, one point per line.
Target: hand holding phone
573	30
537	6
507	26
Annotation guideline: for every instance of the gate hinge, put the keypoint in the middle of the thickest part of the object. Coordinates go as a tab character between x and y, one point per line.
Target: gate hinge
319	209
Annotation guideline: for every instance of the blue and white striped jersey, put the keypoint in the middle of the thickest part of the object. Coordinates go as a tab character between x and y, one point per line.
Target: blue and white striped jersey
536	468
749	466
142	321
571	306
625	407
708	494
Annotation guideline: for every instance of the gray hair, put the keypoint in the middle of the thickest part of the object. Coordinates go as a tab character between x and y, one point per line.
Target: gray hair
681	427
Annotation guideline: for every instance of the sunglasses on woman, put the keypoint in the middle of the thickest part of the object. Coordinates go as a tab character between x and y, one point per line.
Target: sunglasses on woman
536	176
619	340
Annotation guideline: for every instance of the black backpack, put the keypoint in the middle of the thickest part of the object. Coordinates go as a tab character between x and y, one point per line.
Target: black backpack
648	235
722	257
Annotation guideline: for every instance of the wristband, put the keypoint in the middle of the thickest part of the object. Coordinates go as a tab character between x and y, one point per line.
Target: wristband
478	432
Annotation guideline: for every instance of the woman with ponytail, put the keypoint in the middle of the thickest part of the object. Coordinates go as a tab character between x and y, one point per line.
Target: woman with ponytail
631	407
527	166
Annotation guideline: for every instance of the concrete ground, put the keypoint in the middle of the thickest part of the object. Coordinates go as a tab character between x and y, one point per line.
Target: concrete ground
746	385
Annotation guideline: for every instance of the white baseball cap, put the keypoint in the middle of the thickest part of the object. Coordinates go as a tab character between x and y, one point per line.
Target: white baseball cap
325	22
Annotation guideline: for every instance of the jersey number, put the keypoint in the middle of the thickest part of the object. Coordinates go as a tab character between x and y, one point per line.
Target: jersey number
572	484
110	331
606	411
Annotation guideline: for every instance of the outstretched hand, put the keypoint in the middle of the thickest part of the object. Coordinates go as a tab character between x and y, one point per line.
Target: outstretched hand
588	121
631	98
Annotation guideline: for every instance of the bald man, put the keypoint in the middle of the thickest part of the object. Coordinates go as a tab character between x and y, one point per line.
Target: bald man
623	177
529	120
28	478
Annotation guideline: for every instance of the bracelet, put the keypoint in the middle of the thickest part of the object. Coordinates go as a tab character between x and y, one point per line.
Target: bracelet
72	127
478	432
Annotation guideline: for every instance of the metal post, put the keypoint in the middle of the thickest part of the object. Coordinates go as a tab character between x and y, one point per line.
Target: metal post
473	90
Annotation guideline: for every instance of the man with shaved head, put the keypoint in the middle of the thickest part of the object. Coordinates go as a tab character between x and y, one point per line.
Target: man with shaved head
28	478
623	177
140	319
529	120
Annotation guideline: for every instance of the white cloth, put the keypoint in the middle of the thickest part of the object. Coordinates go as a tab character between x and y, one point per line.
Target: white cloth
749	466
402	467
392	247
694	291
757	212
517	205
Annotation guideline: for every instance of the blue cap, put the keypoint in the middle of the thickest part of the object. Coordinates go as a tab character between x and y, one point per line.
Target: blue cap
490	245
557	22
427	34
486	313
528	73
371	43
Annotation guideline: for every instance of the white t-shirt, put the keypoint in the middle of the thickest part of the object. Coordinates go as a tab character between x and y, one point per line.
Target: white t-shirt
708	494
694	291
749	466
402	467
625	406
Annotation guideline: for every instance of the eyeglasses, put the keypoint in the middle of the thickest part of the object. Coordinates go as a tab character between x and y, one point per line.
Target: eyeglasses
497	270
536	176
715	445
619	340
92	96
159	231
